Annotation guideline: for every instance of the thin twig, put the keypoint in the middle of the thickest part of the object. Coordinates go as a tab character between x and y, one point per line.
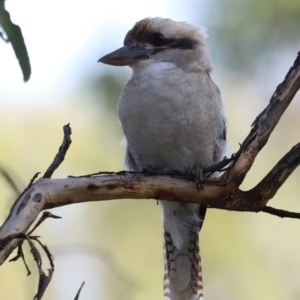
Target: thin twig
21	254
79	291
45	248
46	215
44	280
280	212
33	179
60	156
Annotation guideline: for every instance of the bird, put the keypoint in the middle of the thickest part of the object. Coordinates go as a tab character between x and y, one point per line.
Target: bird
173	120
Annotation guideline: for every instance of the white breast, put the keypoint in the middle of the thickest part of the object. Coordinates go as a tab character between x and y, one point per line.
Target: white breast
171	119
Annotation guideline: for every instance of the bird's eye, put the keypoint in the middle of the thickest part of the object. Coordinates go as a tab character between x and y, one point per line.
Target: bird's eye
158	39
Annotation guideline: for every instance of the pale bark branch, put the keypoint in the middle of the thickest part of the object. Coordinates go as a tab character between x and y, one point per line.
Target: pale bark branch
222	193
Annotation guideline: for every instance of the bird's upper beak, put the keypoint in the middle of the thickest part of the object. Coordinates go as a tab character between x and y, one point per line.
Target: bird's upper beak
125	56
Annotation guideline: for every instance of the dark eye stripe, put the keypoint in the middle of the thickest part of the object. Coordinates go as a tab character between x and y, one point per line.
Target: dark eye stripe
182	43
157	39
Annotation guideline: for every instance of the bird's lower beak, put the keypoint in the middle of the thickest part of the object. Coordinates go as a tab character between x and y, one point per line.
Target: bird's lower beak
125	56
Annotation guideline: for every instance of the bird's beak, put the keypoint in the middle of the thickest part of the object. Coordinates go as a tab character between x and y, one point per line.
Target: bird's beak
125	56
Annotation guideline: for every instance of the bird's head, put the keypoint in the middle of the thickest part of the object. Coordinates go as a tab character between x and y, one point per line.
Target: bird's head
157	40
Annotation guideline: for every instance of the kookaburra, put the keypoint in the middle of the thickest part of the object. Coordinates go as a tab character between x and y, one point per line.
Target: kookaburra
172	117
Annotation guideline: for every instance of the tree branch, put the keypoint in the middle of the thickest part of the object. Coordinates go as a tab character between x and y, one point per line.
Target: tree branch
79	291
265	123
222	193
60	156
280	213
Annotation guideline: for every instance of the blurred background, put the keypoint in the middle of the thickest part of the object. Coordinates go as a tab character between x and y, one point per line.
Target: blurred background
116	246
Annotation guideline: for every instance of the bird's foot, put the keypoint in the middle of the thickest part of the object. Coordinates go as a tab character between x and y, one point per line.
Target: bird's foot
197	173
151	169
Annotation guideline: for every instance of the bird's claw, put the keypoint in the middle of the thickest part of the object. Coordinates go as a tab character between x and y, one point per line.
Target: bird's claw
198	177
149	169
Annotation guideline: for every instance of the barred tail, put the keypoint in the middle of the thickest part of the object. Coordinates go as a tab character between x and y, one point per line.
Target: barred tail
183	273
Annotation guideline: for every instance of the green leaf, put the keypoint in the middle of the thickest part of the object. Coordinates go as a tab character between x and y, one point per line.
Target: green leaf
15	37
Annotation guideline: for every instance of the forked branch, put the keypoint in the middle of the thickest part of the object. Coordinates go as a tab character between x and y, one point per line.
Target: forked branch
222	193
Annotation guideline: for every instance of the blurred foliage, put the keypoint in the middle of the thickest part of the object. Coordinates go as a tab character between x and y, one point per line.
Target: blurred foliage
107	89
9	178
238	250
116	247
15	37
245	33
